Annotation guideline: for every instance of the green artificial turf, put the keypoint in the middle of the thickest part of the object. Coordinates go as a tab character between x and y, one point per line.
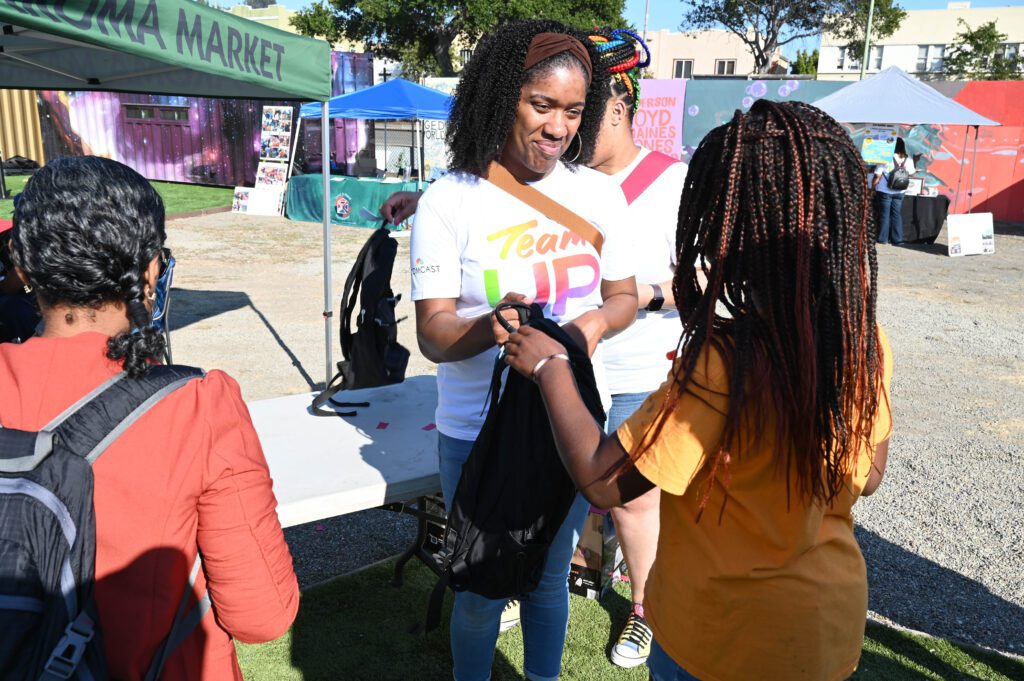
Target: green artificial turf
358	627
178	198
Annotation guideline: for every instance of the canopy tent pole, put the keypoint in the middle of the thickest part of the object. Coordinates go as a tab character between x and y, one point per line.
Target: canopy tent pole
974	162
328	295
963	160
295	146
419	138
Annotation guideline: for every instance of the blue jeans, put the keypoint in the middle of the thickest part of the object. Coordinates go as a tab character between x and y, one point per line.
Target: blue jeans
623	406
664	668
544	614
890	218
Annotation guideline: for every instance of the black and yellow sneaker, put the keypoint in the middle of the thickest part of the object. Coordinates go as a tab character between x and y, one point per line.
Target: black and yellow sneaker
634	644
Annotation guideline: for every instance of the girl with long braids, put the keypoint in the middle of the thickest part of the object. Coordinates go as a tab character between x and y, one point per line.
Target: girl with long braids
528	105
774	419
189	476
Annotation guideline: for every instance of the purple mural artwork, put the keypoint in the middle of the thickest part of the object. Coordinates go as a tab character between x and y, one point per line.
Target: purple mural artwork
186	139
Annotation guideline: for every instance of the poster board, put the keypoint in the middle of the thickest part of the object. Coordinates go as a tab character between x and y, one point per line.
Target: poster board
970	234
265	201
879	144
270	174
658	123
240	200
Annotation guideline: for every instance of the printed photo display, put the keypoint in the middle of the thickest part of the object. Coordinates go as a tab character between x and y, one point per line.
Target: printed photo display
277	119
270	174
274	146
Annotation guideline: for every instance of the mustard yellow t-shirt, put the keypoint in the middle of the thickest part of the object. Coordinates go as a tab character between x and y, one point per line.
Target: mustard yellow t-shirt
768	592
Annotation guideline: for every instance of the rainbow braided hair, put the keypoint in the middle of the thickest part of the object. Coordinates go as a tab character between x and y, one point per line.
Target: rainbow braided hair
619	53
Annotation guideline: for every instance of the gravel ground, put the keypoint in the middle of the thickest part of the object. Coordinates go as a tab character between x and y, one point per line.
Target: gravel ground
942	536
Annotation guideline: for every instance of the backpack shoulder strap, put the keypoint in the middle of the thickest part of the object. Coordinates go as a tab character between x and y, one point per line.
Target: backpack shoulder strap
500	177
646	172
94	422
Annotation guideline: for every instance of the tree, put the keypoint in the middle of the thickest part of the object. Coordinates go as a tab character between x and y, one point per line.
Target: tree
980	54
423	32
806	63
764	26
851	21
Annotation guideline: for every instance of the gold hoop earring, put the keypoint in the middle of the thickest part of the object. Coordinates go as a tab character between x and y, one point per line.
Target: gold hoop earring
579	150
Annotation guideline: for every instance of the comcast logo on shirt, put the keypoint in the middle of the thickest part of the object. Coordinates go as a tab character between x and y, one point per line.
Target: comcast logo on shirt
421	267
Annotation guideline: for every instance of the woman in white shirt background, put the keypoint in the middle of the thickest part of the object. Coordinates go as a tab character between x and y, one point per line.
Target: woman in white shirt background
889	201
531	100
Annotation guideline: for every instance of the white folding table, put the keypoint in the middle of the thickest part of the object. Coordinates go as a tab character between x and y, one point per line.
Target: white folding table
383	456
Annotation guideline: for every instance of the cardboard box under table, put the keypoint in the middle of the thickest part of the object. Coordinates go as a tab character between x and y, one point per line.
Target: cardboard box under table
384	456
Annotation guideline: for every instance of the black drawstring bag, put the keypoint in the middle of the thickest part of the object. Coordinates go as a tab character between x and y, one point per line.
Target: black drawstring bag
514	493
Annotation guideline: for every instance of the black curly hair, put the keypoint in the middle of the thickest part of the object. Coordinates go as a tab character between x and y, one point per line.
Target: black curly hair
485	100
85	230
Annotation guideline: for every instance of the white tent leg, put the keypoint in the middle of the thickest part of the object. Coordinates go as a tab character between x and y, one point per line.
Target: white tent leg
419	140
974	163
963	160
295	145
325	168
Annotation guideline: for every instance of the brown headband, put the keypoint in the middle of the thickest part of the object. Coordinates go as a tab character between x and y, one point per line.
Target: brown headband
546	45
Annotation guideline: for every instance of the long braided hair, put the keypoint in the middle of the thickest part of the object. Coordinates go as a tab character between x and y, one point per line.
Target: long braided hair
777	208
620	52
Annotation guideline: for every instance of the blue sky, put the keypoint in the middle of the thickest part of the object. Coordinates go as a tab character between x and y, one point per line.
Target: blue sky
668	13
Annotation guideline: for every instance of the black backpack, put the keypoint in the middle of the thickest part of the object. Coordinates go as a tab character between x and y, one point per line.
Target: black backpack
48	616
514	493
372	355
899	178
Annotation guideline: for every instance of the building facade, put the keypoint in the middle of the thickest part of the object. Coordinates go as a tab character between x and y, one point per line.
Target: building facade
702	54
920	45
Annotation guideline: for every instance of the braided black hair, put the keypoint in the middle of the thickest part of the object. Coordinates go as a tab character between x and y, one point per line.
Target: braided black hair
86	229
777	201
485	100
618	52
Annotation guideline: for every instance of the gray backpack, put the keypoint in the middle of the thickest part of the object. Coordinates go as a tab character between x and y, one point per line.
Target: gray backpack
48	535
899	178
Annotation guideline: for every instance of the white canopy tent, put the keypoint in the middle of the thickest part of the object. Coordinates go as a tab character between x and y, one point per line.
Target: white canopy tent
894	97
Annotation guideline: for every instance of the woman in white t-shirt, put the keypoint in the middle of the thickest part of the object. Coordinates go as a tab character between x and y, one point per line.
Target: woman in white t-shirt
531	100
889	201
637	361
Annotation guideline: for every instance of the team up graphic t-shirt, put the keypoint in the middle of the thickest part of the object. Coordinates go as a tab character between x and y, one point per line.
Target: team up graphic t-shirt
637	359
474	242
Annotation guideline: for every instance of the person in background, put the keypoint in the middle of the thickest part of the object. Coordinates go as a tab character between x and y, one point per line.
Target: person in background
637	359
774	420
528	104
19	315
189	476
889	201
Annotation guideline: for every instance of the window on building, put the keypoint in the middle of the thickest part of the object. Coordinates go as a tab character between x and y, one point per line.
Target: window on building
841	62
139	112
682	68
465	55
174	114
725	67
1008	51
876	58
929	57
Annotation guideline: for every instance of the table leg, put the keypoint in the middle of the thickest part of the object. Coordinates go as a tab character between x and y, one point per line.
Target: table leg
423	516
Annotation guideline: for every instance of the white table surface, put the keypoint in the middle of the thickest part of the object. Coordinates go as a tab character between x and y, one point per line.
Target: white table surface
325	467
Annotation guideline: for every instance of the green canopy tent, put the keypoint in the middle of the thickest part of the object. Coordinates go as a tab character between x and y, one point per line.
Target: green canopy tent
171	47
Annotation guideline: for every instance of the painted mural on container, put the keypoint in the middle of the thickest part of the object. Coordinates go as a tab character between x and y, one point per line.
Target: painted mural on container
184	139
989	178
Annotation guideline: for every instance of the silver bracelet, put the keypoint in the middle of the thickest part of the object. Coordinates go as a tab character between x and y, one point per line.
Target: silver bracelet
544	361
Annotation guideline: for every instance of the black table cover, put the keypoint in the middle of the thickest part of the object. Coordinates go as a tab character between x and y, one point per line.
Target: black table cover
923	217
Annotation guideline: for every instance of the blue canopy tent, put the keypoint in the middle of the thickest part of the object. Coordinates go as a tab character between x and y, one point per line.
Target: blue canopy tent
395	99
391	100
